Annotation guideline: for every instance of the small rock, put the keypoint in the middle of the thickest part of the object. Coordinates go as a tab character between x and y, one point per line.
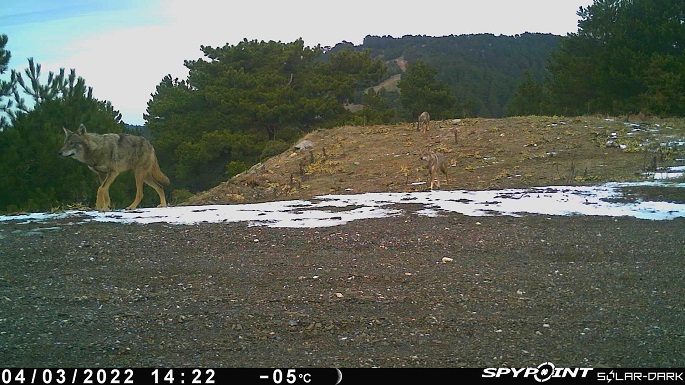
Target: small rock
304	144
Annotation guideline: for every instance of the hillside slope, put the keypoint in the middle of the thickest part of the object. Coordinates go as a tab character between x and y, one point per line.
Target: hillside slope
483	154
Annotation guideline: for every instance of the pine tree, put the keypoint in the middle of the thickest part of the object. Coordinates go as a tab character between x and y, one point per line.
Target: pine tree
239	98
421	91
33	178
527	99
627	56
6	87
377	108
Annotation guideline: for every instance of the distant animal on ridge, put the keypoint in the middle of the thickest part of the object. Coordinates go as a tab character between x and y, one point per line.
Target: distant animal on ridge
110	154
436	163
424	122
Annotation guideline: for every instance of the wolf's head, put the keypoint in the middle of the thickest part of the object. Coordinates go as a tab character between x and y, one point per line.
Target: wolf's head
74	144
425	154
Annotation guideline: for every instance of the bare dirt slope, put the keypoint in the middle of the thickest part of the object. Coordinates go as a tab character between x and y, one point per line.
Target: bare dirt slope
483	154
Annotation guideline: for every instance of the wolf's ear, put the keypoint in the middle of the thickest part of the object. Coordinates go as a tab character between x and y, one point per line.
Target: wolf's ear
81	129
66	132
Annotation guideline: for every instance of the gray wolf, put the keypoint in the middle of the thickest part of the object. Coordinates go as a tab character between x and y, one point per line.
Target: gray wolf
436	163
424	122
110	154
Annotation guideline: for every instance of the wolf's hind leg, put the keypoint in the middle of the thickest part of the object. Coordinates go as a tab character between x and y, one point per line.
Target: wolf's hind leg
160	190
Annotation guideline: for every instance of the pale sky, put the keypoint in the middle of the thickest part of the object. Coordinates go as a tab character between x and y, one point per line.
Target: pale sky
123	48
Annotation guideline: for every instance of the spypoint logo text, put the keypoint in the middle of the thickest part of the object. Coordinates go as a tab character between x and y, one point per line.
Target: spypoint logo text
542	373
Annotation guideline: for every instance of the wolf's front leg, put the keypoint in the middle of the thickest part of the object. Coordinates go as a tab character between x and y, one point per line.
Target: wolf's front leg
103	190
139	192
98	200
102	202
106	201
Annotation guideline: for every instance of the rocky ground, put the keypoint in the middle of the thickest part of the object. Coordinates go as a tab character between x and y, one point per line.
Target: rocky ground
406	291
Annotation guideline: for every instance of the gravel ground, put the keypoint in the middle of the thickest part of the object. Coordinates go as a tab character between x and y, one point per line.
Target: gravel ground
405	291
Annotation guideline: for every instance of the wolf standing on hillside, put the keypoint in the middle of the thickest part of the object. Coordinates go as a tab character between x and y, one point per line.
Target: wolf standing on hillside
424	122
110	154
436	163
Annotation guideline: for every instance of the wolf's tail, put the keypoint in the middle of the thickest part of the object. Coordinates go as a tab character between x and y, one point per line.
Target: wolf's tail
159	175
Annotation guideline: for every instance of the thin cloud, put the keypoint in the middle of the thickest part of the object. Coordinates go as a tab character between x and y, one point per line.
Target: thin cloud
36	11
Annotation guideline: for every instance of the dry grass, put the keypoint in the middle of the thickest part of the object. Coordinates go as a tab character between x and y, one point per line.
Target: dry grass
483	154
